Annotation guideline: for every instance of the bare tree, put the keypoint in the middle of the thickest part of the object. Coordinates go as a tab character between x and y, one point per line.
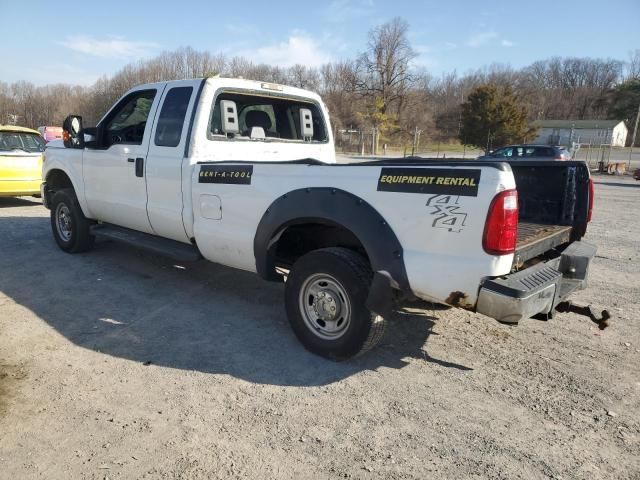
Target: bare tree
633	65
384	73
303	77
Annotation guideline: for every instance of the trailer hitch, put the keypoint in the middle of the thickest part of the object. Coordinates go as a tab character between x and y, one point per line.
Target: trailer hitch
601	319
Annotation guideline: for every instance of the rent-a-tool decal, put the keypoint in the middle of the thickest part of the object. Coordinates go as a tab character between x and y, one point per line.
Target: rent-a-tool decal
230	174
442	181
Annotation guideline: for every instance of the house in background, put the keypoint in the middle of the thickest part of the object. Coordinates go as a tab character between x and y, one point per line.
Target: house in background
567	132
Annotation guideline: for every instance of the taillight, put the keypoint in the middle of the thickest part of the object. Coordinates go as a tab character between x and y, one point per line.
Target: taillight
501	229
592	193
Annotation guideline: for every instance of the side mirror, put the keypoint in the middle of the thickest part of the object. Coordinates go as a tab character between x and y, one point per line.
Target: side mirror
72	136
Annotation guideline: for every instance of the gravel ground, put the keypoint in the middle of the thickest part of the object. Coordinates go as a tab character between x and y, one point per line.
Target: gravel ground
119	364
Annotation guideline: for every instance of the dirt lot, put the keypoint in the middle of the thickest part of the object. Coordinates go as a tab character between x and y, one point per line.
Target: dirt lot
119	364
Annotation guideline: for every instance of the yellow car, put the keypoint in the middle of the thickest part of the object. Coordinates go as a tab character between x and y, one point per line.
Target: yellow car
21	154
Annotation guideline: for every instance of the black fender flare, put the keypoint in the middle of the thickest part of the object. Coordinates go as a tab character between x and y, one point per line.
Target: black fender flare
337	207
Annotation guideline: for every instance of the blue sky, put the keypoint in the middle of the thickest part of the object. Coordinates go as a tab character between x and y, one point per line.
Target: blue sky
52	42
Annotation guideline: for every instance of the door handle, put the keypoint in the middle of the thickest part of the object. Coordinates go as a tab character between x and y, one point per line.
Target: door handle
139	167
130	160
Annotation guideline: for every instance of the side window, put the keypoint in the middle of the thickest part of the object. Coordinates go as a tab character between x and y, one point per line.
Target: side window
544	152
503	152
126	124
172	115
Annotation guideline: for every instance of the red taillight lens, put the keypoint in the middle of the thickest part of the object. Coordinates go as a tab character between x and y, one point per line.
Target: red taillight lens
591	195
501	229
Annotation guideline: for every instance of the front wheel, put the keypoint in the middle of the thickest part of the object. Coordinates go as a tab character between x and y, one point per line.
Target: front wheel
325	297
69	225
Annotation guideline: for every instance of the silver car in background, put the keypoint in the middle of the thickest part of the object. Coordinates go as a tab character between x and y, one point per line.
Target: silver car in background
529	152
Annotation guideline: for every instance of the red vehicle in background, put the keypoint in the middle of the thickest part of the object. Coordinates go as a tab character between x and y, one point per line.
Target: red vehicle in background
50	133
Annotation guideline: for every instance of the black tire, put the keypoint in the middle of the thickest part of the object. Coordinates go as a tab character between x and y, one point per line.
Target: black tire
75	236
345	274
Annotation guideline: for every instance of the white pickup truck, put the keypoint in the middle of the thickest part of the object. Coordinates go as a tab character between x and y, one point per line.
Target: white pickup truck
243	173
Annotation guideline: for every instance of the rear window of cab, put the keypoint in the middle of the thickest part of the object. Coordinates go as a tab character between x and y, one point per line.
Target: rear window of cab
277	116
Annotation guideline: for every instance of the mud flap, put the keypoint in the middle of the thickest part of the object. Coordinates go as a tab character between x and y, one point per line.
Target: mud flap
380	299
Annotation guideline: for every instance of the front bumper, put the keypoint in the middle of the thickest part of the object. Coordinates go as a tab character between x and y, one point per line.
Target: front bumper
537	289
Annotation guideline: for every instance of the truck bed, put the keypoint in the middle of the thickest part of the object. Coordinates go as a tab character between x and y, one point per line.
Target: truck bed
553	201
552	197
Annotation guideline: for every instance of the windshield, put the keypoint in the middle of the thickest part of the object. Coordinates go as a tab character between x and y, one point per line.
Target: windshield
27	142
277	116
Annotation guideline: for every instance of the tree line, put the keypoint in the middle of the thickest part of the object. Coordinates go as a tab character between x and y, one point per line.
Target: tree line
381	89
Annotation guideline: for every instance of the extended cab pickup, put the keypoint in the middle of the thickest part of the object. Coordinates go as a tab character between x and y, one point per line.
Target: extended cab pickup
243	174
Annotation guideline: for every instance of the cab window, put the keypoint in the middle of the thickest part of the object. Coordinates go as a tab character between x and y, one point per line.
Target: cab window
277	116
127	122
172	115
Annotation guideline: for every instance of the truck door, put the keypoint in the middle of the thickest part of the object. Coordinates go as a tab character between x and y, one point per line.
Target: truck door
114	171
167	167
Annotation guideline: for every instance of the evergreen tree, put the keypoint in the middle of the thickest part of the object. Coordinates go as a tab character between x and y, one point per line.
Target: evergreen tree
492	117
624	102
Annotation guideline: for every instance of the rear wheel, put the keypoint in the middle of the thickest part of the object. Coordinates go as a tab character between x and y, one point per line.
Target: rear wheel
69	225
325	297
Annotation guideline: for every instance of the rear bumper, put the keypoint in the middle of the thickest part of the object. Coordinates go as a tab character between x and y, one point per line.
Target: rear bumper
537	289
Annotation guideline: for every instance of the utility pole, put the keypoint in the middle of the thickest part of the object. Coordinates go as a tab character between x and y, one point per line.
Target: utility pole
635	128
633	137
416	140
374	150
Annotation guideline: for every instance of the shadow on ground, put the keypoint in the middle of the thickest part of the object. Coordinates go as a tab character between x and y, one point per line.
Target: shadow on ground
8	202
618	184
122	302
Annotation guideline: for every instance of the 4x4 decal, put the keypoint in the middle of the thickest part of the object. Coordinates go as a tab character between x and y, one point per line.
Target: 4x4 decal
447	213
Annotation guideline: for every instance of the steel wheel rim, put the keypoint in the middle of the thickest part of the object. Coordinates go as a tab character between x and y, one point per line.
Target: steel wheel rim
63	222
325	306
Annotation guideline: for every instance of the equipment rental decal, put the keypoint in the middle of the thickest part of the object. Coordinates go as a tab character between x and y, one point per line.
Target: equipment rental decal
442	181
230	174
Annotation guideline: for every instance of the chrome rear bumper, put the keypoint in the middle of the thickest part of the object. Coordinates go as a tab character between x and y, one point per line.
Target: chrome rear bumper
539	288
